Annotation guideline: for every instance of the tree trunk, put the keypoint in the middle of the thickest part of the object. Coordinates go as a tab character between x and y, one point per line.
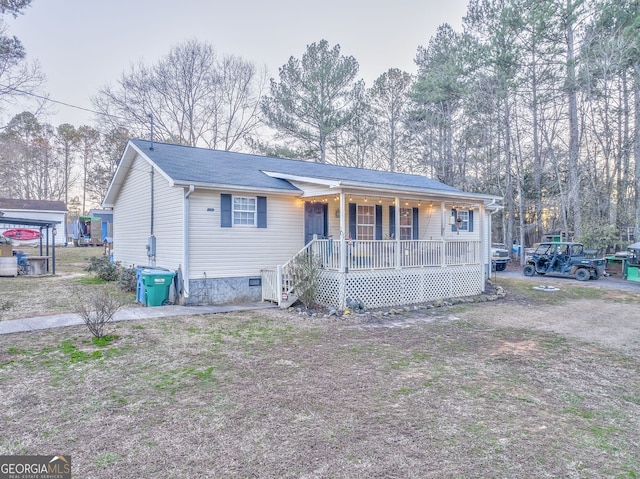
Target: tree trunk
537	160
510	203
622	184
636	146
574	146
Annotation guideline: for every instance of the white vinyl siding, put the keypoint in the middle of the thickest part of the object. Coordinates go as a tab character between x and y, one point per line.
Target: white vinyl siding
235	252
430	223
132	219
462	234
334	219
168	224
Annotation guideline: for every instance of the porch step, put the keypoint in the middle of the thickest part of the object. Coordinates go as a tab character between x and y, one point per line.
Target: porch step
286	303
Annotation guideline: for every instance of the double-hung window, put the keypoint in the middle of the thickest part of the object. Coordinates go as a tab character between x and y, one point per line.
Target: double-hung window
406	223
462	220
463	217
366	222
244	211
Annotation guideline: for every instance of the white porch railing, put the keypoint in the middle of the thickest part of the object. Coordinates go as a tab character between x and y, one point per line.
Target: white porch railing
278	284
385	254
374	255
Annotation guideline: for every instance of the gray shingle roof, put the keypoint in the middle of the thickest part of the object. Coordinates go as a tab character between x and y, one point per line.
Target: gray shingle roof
186	164
36	205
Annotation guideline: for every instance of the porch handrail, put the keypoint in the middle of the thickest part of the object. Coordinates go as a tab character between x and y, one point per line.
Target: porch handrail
459	252
285	277
278	284
381	254
364	255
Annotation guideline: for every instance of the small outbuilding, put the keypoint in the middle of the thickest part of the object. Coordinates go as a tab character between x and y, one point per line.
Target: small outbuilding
45	261
46	212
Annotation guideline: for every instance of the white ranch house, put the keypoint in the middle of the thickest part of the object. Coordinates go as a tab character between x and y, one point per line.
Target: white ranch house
230	223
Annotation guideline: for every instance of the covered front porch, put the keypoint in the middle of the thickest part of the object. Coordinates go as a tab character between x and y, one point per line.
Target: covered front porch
389	251
380	277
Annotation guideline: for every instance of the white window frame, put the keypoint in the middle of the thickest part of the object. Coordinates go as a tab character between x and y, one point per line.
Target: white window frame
463	215
241	216
406	227
369	226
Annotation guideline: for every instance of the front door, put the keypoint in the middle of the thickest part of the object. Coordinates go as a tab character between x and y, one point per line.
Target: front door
315	221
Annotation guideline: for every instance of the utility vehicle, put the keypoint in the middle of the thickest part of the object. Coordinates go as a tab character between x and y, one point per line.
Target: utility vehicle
564	259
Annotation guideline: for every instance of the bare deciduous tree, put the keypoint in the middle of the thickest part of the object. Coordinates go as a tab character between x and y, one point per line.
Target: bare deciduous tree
192	98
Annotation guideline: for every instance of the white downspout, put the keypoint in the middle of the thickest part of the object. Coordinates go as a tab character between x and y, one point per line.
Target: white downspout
185	241
495	209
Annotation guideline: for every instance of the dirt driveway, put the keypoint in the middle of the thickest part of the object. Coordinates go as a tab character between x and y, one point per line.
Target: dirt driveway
605	311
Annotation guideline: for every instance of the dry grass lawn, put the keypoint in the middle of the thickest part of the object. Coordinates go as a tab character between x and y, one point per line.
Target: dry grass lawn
32	296
442	393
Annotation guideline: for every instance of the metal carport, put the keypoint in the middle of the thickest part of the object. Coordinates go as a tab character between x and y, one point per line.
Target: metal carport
40	224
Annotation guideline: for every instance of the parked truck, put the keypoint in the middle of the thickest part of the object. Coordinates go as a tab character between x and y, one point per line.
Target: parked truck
93	230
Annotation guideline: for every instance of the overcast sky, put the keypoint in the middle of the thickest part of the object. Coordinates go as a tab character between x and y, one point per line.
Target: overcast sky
82	45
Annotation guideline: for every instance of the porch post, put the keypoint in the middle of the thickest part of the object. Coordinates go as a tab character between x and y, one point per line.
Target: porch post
445	224
343	242
397	226
279	284
485	249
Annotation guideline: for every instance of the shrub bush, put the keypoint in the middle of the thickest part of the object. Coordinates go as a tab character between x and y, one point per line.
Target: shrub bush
97	310
103	268
128	280
4	307
305	272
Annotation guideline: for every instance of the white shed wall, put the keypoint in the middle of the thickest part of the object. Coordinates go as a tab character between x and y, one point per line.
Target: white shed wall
40	216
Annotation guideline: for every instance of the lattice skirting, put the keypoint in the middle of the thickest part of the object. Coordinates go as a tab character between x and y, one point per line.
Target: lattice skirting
385	288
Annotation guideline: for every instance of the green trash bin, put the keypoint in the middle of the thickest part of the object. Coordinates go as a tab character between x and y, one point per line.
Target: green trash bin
157	283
